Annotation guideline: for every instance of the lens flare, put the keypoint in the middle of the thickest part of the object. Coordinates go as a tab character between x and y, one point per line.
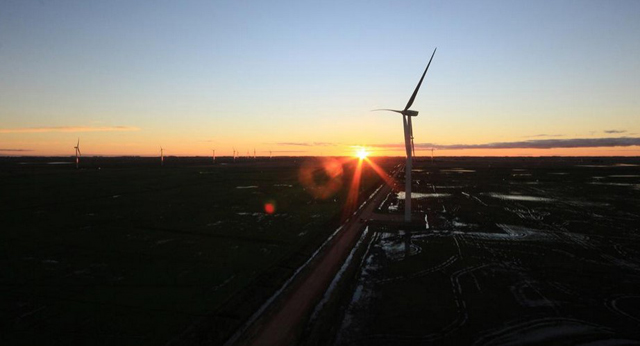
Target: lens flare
321	177
270	207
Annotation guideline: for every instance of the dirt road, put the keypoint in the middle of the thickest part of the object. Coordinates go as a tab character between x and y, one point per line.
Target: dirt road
284	325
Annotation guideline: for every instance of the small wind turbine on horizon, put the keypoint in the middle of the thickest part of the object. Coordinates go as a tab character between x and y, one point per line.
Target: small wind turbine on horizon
234	154
161	156
408	141
78	154
270	154
254	153
214	155
431	154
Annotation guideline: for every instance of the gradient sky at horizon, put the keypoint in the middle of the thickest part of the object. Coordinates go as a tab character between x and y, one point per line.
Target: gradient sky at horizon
300	78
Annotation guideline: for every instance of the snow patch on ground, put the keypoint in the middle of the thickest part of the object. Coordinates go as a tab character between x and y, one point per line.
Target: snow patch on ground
520	197
418	195
457	170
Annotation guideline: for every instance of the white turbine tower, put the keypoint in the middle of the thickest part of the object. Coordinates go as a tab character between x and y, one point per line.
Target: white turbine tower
78	154
408	141
161	156
234	154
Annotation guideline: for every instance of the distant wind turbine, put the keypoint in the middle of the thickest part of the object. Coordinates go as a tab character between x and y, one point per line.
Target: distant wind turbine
431	154
214	155
161	156
408	140
270	154
254	153
78	154
234	154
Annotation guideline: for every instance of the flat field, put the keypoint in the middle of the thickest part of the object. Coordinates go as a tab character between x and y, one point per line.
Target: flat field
125	252
511	252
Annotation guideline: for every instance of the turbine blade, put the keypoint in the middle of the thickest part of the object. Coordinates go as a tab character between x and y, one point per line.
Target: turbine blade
413	148
415	92
407	135
79	153
390	110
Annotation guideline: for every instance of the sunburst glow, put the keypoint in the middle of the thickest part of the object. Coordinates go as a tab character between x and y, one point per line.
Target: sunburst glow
362	153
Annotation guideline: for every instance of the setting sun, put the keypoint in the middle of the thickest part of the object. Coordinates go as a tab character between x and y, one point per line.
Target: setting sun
362	153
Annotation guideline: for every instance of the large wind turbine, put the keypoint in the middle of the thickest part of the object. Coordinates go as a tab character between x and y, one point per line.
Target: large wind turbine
408	141
78	154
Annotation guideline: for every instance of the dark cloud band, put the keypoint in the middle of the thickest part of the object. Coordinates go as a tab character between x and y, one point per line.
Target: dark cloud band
533	144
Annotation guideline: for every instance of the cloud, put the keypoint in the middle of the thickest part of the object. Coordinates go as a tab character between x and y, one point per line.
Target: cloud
15	150
614	131
70	129
307	144
544	135
531	144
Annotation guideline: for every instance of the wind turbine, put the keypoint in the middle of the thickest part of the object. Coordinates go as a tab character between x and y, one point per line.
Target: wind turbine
78	154
408	141
161	156
234	154
214	155
270	154
254	153
431	154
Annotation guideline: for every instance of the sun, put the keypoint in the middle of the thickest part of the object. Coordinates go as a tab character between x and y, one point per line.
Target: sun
362	153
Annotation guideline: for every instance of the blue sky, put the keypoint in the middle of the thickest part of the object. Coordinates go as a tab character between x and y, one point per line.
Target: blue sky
196	74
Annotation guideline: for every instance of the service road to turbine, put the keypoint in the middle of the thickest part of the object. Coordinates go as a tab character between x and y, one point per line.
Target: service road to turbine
284	325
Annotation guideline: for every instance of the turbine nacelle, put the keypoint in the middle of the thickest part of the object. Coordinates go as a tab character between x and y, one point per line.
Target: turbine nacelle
407	112
410	113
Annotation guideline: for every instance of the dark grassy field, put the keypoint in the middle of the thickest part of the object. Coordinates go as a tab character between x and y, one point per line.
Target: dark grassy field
518	251
124	252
